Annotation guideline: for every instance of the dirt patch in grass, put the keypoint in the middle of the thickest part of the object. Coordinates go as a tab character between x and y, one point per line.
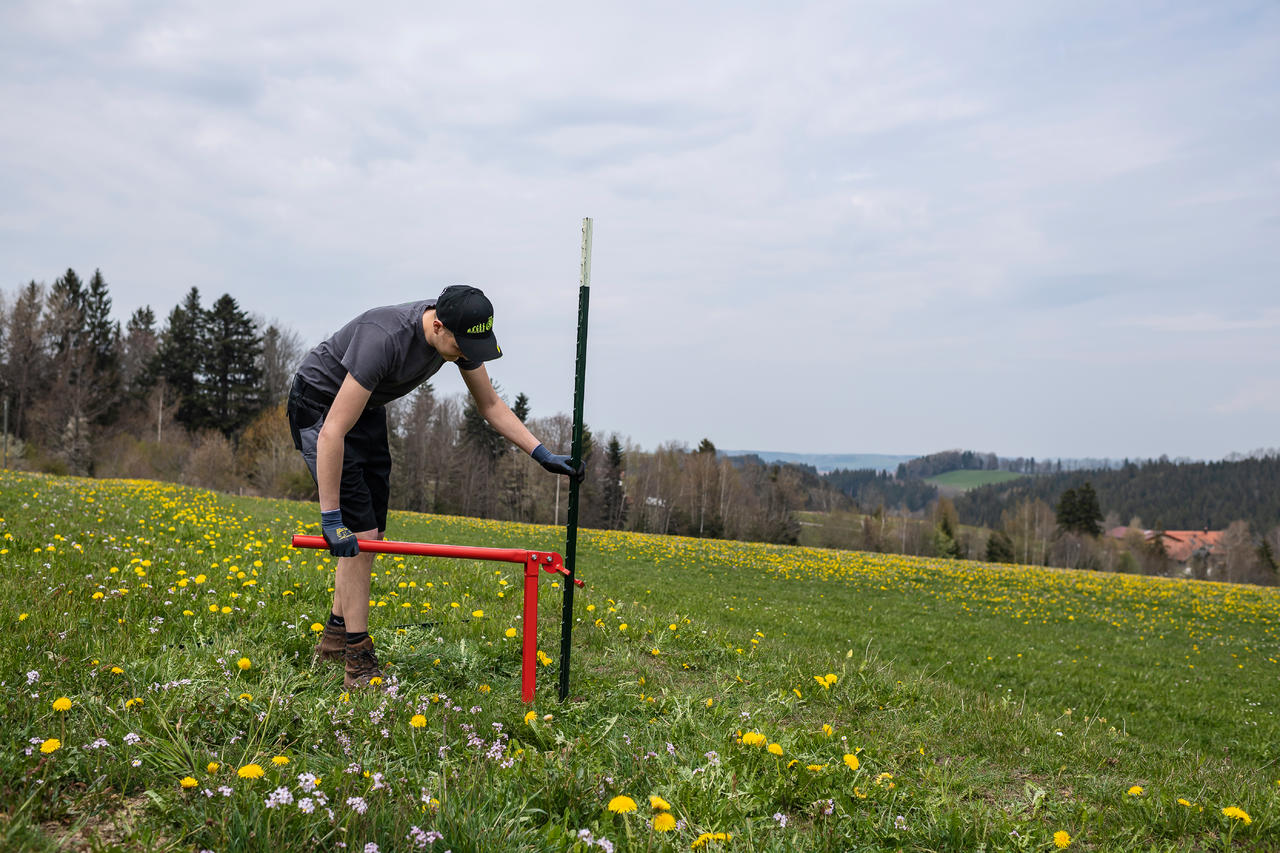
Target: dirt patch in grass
112	825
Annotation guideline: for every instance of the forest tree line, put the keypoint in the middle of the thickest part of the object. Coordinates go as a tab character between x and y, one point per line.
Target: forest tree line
198	397
1160	493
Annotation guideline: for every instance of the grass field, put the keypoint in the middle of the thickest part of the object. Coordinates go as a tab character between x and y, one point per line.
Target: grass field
962	481
161	694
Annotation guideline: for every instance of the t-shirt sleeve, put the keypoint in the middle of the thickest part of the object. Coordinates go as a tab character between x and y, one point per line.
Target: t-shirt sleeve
370	355
463	364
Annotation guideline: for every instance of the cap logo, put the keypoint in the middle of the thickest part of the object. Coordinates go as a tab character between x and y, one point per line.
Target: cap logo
481	328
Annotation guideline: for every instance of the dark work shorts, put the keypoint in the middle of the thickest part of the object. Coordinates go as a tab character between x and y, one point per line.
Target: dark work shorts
366	457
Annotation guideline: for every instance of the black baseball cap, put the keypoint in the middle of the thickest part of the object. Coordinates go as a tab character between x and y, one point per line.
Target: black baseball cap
468	313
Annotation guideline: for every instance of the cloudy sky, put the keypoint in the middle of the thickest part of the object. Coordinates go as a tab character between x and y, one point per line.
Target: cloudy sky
1047	228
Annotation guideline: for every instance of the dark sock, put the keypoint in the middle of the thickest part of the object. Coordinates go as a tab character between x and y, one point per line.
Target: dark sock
354	637
337	621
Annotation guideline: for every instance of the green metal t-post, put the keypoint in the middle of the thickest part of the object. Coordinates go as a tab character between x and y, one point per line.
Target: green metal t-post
571	535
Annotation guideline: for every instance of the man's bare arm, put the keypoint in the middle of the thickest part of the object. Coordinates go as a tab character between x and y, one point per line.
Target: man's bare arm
347	407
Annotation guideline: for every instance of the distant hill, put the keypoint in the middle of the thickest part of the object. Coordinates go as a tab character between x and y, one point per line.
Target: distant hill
826	462
1164	494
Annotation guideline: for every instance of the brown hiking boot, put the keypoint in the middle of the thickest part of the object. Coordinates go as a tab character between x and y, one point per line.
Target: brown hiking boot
332	645
362	665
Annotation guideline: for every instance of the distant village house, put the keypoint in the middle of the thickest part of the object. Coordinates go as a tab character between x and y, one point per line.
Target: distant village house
1198	553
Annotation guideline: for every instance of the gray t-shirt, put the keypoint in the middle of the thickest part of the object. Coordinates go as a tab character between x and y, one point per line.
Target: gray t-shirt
385	349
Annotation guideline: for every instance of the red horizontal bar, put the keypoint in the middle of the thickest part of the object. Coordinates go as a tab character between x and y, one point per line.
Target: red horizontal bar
425	549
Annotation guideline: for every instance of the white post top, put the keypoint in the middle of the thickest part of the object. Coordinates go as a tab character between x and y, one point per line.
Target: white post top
586	251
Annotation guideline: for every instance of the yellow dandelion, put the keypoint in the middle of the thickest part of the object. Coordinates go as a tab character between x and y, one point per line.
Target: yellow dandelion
815	768
1183	801
417	721
530	717
622	627
510	632
827	730
115	670
658	804
477	614
622	804
213	767
775	749
62	703
250	771
1238	814
1135	791
245	697
1061	839
244	664
51	745
754	739
188	782
279	761
663	822
851	761
317	627
710	702
706	837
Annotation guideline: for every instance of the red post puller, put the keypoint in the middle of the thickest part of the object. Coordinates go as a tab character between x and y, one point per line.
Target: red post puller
547	561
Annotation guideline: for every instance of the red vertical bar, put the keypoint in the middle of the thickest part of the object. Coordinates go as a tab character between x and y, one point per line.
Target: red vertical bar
529	630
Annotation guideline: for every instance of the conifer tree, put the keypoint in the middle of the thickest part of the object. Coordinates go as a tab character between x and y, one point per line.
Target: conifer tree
1088	517
180	357
1067	510
137	352
65	313
102	336
1000	548
232	386
521	407
613	506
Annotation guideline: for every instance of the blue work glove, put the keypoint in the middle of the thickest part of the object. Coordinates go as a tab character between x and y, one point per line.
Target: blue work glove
342	542
558	464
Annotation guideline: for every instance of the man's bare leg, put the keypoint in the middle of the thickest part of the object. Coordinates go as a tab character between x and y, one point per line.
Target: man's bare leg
351	602
351	586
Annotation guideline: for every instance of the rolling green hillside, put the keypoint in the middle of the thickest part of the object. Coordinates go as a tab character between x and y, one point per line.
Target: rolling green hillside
962	481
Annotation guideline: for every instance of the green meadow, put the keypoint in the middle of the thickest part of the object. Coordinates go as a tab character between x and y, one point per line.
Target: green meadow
155	654
962	481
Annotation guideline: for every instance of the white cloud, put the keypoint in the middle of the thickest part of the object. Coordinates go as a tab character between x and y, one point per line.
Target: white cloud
820	205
